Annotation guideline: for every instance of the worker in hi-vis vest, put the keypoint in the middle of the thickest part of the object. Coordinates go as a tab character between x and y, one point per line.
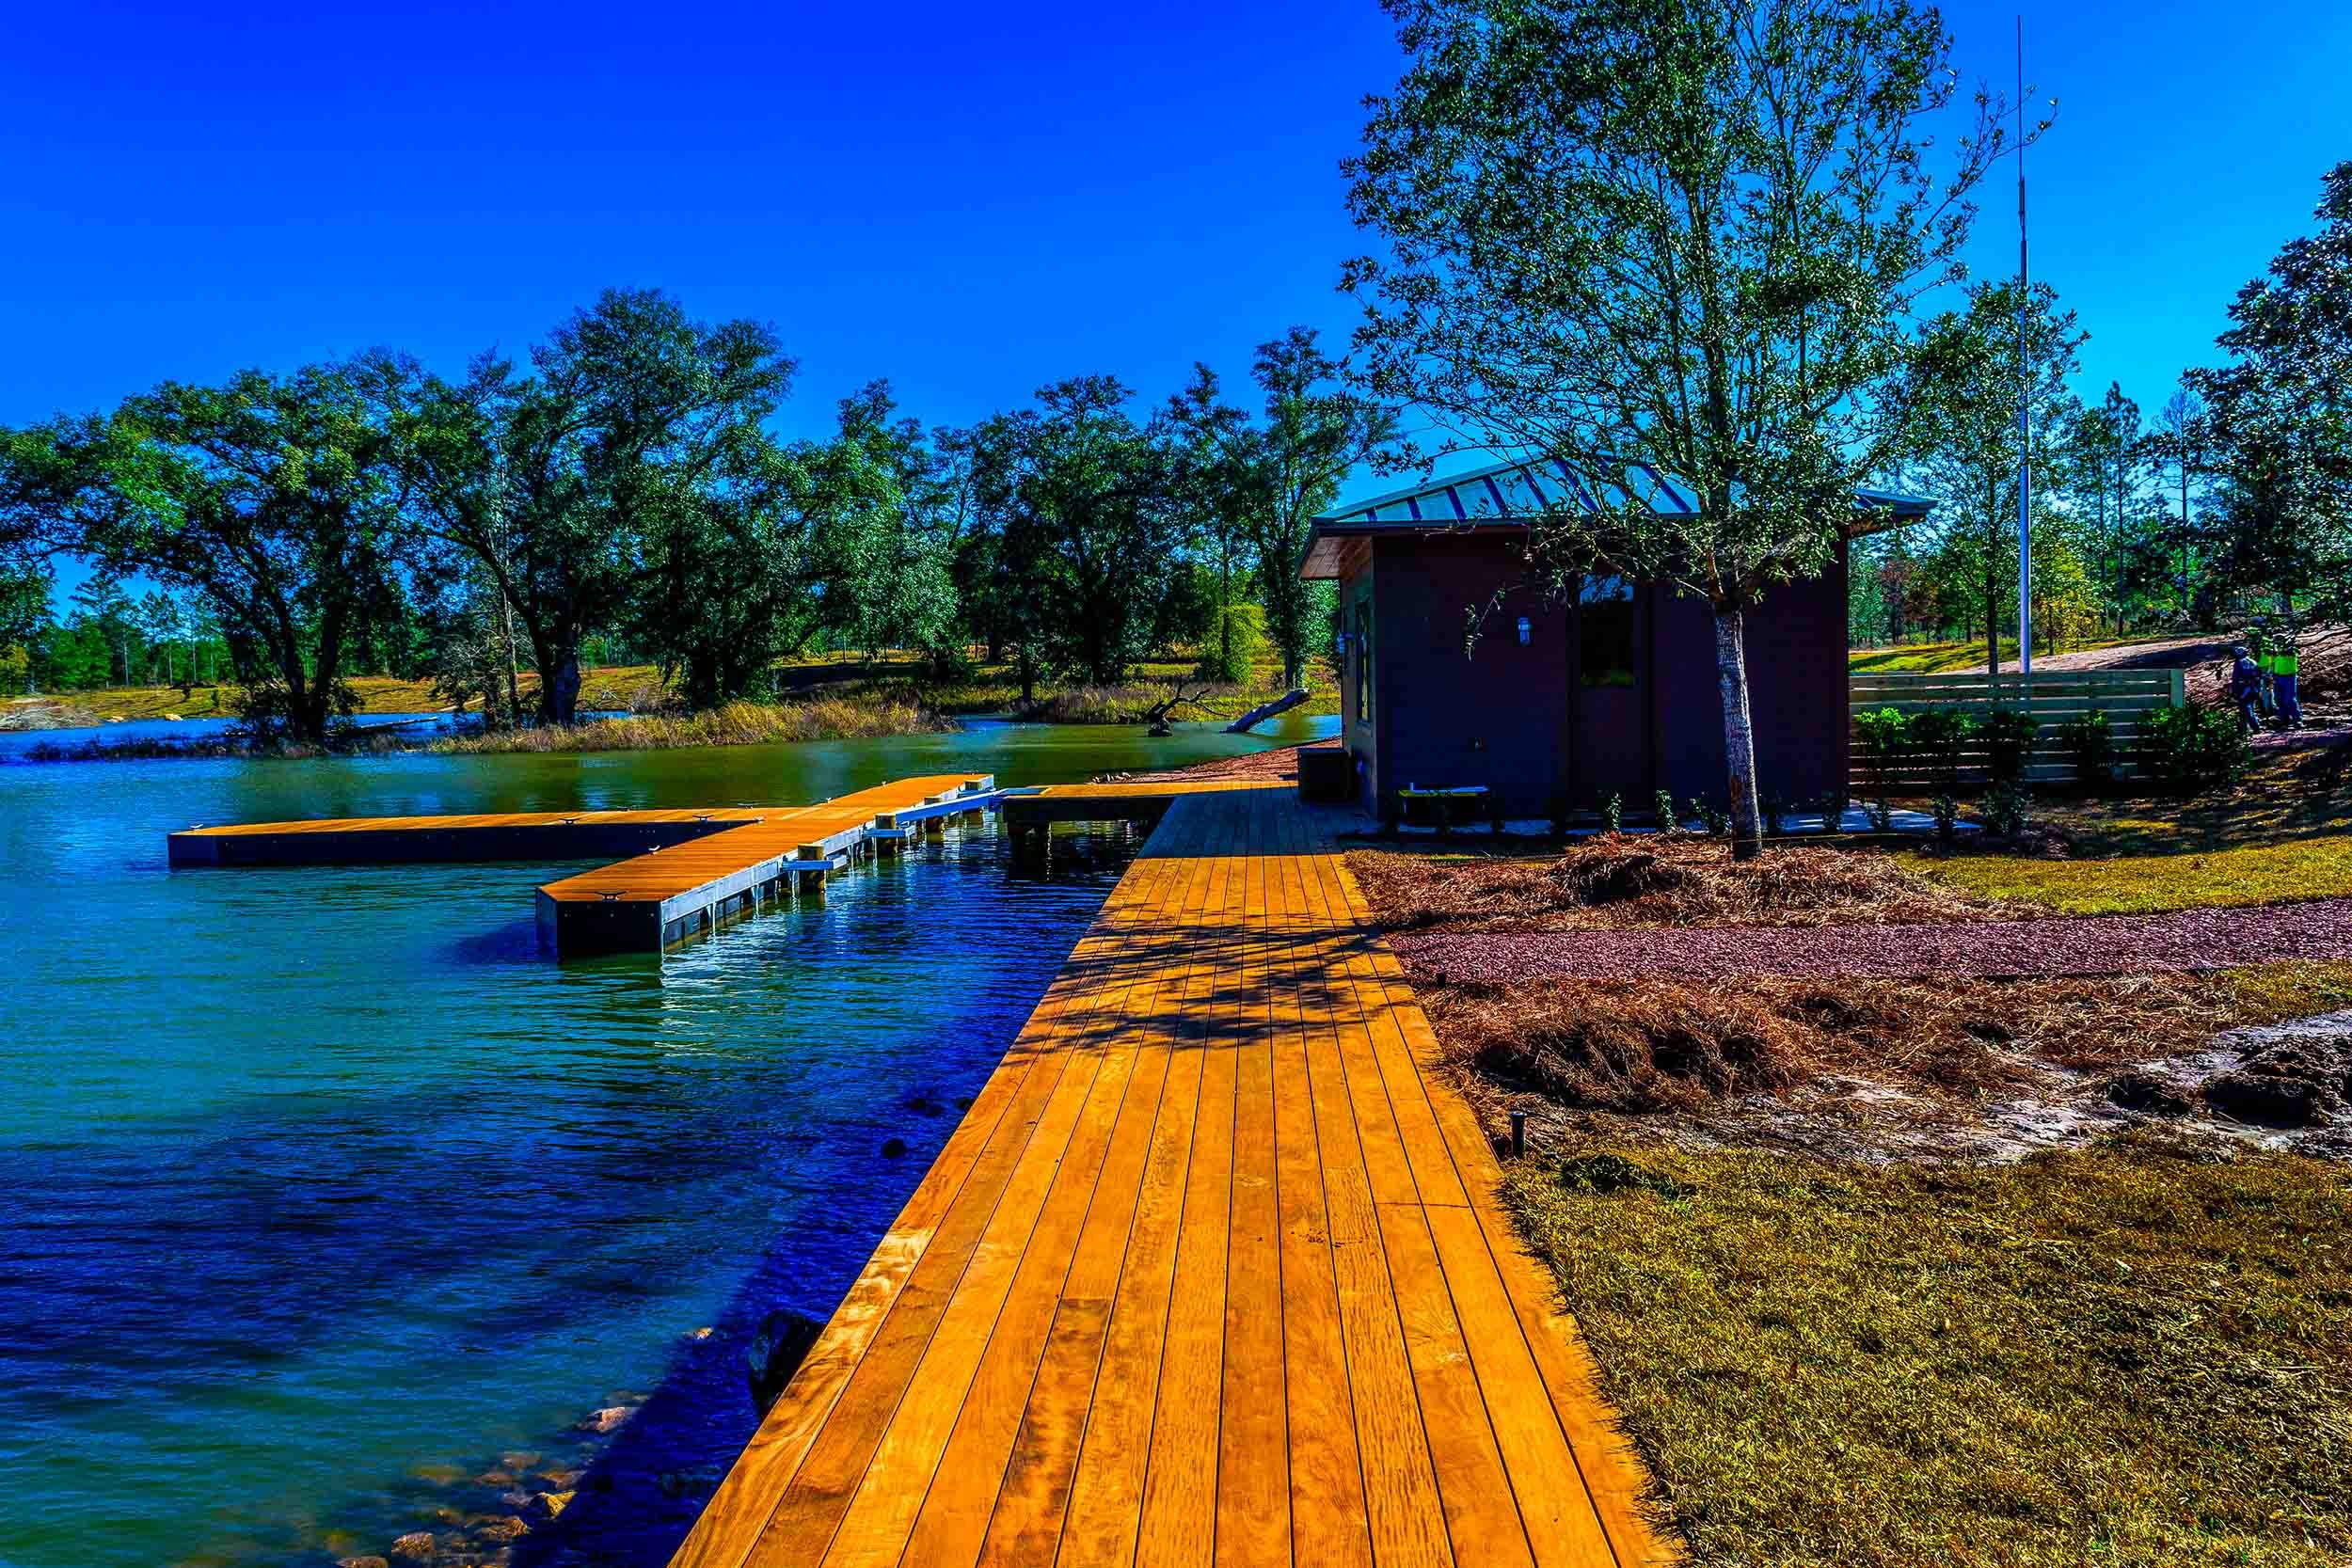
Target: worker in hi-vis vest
2258	644
2285	672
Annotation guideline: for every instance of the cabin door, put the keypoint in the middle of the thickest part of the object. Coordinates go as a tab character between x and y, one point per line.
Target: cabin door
1609	697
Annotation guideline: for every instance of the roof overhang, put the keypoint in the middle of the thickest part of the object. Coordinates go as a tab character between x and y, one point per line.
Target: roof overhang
1505	497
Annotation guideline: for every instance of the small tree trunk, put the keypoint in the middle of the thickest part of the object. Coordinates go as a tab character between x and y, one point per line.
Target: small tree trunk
513	679
1731	679
562	688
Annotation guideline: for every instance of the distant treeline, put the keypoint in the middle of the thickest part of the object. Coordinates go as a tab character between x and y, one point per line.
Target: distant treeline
2236	498
619	496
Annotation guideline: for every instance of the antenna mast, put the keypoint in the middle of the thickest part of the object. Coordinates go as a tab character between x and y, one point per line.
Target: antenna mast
2025	401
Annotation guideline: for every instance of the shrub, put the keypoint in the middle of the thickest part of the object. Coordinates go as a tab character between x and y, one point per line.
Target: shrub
1663	805
2004	808
1613	813
2192	750
2009	738
2088	743
1884	738
1932	743
1712	817
1946	815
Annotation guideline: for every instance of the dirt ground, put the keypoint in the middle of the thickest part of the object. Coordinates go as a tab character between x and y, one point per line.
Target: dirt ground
2326	653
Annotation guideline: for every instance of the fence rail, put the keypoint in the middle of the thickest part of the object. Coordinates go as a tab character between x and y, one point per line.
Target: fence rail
2126	696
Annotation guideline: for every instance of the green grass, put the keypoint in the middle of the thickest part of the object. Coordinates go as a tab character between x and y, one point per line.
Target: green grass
2318	867
2131	1354
1935	658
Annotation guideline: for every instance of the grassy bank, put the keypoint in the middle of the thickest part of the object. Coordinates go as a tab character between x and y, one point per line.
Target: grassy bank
996	689
635	688
2139	1352
735	725
623	685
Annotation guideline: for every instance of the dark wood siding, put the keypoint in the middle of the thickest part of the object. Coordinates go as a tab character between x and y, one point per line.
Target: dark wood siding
1357	732
1449	712
1501	716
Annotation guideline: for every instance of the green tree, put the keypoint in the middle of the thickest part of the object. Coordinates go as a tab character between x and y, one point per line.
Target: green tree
1268	480
2180	444
2278	417
722	590
275	498
25	617
554	481
2107	458
100	602
881	514
1963	397
160	623
1090	530
1687	235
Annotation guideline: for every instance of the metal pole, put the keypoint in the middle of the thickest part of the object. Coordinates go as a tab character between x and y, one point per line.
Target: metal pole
2025	398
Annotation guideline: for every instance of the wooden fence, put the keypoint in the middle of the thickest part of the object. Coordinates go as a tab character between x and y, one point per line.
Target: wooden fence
2126	696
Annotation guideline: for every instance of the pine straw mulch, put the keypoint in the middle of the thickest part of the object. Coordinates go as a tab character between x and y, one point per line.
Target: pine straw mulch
1616	880
1651	1046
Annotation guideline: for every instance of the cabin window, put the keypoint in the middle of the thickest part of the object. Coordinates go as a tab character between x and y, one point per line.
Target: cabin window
1604	619
1360	645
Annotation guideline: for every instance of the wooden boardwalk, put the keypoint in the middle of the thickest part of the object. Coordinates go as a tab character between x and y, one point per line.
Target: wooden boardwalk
1212	1272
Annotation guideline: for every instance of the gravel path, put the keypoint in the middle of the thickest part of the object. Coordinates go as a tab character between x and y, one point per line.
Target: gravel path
2079	944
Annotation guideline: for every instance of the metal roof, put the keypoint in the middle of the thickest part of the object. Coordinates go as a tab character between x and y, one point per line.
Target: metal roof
1505	495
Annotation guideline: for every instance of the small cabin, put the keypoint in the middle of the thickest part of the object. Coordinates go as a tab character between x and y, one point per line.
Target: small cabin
1560	703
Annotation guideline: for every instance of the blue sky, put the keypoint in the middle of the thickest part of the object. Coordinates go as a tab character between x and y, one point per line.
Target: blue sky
968	199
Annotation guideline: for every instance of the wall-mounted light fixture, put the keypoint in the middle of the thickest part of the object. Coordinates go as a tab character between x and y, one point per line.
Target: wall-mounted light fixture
1527	631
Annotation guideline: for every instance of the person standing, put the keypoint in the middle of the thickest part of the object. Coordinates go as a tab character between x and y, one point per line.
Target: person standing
2287	671
2246	679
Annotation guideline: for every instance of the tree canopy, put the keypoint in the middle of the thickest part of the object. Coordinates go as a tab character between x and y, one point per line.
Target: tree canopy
1691	236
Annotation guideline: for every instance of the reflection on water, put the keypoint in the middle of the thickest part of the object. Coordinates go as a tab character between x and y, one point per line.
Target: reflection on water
327	1181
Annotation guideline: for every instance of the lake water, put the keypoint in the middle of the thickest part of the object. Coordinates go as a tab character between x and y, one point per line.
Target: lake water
326	1189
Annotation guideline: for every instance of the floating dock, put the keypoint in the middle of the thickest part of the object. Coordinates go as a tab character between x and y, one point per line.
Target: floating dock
1213	1270
681	872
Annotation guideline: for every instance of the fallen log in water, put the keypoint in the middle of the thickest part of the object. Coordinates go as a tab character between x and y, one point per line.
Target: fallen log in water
1283	704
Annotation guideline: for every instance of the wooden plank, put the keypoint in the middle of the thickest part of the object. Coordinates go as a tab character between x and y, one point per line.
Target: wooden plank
967	1471
1179	1517
1326	1501
1403	1513
1253	1523
1106	1484
897	1302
